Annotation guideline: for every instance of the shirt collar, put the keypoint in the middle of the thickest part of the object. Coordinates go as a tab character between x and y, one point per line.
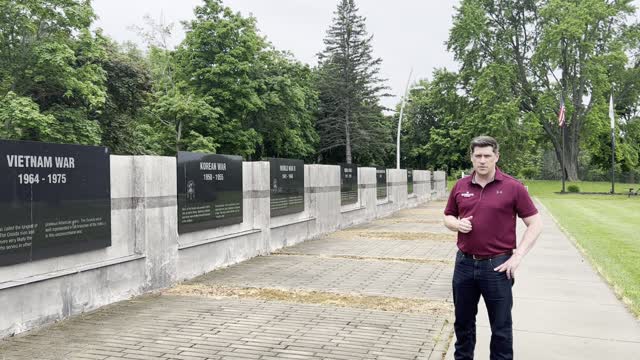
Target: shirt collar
498	176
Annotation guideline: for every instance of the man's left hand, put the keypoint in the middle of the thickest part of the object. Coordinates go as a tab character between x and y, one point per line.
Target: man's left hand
510	266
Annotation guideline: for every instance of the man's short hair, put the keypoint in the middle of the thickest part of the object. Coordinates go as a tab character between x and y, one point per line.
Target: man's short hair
484	141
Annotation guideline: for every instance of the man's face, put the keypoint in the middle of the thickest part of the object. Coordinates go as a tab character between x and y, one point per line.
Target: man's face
484	160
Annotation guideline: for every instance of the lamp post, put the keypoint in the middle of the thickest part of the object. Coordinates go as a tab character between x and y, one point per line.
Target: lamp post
404	100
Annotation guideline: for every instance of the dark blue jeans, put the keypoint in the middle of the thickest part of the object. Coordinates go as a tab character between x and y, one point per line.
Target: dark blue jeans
471	279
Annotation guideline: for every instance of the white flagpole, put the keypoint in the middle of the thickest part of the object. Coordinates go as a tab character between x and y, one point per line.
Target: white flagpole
613	142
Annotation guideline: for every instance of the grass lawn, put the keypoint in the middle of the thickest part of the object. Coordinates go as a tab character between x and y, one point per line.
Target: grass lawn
607	227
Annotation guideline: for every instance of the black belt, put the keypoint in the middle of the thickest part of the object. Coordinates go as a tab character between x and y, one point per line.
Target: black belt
485	257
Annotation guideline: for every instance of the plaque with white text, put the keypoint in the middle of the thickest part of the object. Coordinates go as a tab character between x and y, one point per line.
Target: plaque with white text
348	184
381	183
209	191
409	181
287	186
54	200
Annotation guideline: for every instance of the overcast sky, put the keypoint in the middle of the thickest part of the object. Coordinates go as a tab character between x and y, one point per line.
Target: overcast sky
407	33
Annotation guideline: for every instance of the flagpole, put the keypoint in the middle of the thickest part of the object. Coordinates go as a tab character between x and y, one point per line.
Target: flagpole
613	143
613	161
562	123
564	173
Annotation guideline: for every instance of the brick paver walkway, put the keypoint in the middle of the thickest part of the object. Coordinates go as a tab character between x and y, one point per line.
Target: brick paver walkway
381	270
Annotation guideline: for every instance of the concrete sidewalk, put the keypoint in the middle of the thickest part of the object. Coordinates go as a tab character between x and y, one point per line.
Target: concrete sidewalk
562	308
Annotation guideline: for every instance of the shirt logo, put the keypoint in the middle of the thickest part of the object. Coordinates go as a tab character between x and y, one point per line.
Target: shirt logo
467	195
499	192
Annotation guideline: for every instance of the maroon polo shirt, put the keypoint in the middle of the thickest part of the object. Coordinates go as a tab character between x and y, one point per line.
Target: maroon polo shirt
494	211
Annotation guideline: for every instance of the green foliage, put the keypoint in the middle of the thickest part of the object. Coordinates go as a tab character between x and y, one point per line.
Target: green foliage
441	121
233	93
573	188
128	84
350	121
50	65
529	172
285	122
21	120
225	89
511	53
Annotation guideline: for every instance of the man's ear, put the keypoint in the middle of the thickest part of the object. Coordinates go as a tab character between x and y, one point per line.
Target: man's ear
497	156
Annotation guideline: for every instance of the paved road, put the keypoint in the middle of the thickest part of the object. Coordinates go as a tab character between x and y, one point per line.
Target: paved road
377	291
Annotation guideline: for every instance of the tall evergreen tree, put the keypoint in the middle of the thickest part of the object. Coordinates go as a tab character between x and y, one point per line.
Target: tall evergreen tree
349	89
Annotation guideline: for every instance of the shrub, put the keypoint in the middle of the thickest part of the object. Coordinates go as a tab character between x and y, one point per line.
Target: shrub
529	172
573	188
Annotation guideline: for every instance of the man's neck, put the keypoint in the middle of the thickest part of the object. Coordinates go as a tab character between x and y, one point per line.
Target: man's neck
483	180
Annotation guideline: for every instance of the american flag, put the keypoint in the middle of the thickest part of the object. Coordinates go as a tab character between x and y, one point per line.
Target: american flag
561	113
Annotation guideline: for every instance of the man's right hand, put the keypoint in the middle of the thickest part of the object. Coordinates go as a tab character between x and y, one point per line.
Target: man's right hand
464	225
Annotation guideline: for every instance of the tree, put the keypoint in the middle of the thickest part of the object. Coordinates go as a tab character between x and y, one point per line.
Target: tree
432	136
259	101
540	49
128	81
50	66
285	122
350	87
441	122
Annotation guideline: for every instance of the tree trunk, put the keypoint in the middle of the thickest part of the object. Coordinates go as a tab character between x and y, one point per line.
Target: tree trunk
570	148
178	136
571	157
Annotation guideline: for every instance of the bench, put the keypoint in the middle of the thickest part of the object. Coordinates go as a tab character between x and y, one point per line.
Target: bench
634	193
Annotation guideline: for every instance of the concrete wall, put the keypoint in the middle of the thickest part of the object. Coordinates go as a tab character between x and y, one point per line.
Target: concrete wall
440	182
148	254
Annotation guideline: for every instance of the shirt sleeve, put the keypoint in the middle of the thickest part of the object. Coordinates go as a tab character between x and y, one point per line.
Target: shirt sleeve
524	205
452	205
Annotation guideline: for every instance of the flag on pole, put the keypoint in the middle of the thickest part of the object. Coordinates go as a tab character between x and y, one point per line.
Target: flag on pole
611	112
561	112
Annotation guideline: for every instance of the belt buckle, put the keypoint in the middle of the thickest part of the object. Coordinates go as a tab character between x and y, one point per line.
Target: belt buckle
475	257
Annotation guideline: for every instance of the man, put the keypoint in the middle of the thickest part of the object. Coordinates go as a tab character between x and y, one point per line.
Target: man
482	209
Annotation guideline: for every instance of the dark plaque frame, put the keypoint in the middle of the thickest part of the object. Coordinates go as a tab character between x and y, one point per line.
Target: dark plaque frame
381	183
55	200
409	181
209	191
286	186
348	184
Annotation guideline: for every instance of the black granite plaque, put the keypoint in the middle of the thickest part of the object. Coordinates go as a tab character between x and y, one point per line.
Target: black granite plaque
287	186
381	183
54	200
409	181
209	191
348	184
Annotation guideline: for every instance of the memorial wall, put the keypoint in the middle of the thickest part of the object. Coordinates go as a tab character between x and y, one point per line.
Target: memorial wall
381	183
88	229
209	191
286	192
348	184
54	200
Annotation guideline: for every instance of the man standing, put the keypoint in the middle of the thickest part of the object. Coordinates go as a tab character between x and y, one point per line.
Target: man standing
482	209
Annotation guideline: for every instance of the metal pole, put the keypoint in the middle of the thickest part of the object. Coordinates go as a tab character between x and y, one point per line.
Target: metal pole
404	99
563	161
613	161
613	142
